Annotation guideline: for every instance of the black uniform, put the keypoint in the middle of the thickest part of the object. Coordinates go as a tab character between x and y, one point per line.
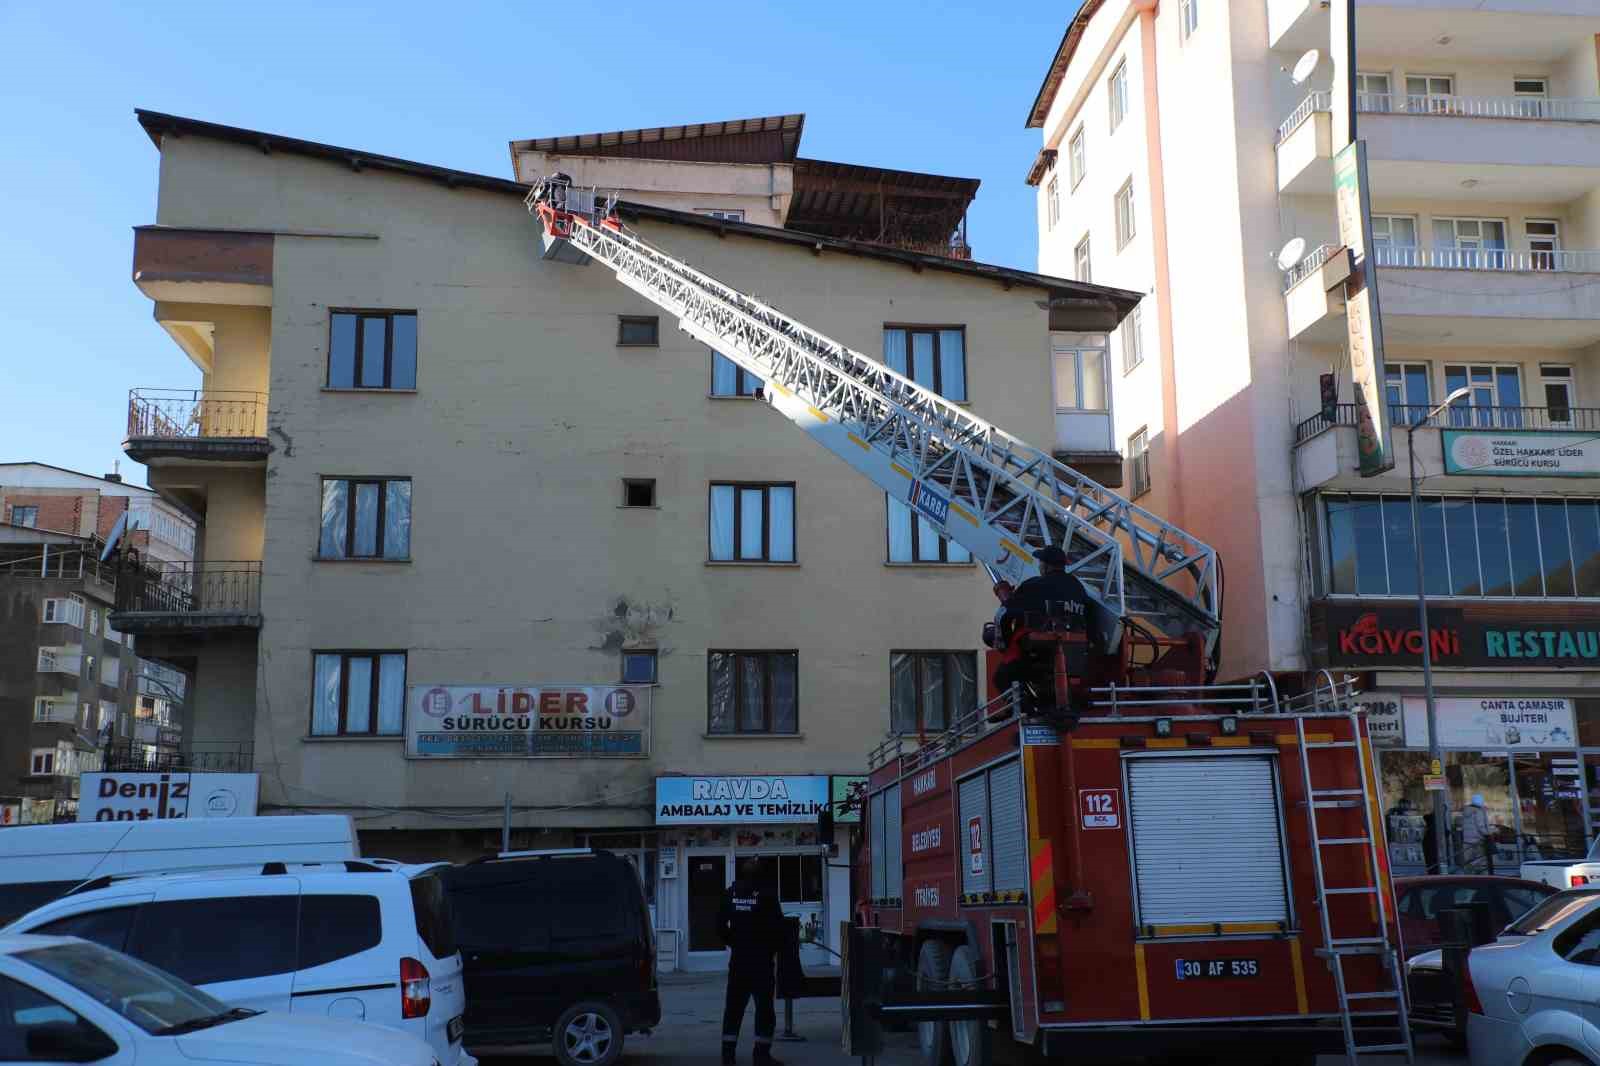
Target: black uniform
751	924
1034	593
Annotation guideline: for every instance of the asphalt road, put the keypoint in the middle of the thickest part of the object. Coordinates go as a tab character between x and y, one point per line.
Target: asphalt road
691	1024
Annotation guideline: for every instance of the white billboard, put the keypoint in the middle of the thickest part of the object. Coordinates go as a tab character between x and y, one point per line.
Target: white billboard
113	796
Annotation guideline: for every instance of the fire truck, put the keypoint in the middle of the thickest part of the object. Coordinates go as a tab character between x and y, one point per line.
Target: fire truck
1114	855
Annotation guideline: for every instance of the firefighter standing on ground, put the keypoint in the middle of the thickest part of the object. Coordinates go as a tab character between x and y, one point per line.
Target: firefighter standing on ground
751	924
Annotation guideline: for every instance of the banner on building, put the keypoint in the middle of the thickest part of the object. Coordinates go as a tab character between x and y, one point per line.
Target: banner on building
847	788
724	799
1363	315
1504	723
1496	452
527	721
112	796
1359	635
38	811
1386	723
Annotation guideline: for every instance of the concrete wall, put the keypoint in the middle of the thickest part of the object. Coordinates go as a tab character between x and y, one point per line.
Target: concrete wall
525	418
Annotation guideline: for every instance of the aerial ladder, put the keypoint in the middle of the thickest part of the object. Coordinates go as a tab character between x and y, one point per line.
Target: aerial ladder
993	494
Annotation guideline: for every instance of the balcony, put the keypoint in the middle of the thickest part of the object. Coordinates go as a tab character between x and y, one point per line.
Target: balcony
1305	147
189	599
183	425
1313	294
61	661
217	757
1490	296
62	710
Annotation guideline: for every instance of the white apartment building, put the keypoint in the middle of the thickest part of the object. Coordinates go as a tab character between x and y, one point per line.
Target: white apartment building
1179	156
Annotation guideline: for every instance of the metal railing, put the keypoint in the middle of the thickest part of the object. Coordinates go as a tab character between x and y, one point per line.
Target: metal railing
1522	419
1556	260
1577	109
60	662
197	414
1321	100
59	712
221	758
207	588
1309	265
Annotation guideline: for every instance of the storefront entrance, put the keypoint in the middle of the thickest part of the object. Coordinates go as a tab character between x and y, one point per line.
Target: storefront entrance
708	876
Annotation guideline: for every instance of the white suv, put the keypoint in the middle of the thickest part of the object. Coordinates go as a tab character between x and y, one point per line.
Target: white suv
367	940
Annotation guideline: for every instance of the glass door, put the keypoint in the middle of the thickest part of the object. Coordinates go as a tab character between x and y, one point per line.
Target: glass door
1531	95
1430	93
708	876
1469	243
1372	93
1544	242
1557	382
1495	399
1550	802
1482	811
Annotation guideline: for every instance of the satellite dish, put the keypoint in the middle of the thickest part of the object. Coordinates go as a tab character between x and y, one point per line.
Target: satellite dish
1306	66
1291	253
115	535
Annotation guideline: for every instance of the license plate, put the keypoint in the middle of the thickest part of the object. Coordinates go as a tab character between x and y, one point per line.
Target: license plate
1217	969
453	1030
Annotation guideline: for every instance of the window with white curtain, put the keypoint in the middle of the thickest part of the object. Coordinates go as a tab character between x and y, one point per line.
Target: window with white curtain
730	379
913	539
358	693
935	357
753	692
365	518
752	523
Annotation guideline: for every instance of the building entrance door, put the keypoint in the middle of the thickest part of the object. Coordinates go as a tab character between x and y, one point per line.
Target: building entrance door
708	876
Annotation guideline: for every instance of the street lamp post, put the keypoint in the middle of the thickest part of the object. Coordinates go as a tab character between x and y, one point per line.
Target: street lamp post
1434	756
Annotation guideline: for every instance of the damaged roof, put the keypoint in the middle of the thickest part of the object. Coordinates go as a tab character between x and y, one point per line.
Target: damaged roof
1058	65
771	139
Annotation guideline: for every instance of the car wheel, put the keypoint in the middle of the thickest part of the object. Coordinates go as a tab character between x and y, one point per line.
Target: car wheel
970	1043
933	972
588	1034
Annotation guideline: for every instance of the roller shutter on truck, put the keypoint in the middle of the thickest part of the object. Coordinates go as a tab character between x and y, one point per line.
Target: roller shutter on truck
880	855
883	822
994	798
1207	839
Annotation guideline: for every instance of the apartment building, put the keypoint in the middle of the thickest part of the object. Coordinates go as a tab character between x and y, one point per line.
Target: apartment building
1184	145
480	484
41	496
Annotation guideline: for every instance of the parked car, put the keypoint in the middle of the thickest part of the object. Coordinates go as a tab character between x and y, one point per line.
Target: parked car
66	1000
1566	873
364	940
1531	993
558	949
1420	899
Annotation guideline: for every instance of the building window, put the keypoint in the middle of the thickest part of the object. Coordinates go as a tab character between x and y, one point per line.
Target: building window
752	523
1394	240
1077	158
639	667
1495	399
1117	90
1406	387
935	357
1124	209
1544	241
730	379
25	516
1532	95
67	611
1477	546
913	539
1081	269
638	331
108	711
1052	201
1469	243
110	671
359	693
1080	376
726	214
42	762
1556	379
372	350
1430	93
1139	463
928	690
365	518
754	692
1188	18
638	492
1133	338
111	633
1372	93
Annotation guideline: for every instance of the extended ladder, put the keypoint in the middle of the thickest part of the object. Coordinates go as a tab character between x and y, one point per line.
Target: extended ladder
1390	1013
993	494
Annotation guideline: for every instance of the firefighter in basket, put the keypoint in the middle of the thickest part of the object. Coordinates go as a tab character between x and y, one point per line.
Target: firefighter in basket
1043	629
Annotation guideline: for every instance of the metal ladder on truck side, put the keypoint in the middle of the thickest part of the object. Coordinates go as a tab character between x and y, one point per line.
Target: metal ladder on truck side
1336	950
983	488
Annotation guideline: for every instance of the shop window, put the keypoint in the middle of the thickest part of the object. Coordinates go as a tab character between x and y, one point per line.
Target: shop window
792	878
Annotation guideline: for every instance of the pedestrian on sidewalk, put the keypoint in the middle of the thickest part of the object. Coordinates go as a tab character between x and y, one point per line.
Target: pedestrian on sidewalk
751	923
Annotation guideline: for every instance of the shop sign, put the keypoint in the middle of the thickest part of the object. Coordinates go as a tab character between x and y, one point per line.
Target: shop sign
1389	636
1386	725
1511	723
527	721
1496	452
109	796
694	800
1363	314
843	788
10	814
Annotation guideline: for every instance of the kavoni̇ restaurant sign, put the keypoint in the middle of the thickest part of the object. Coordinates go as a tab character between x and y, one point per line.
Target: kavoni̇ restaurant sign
527	721
1388	636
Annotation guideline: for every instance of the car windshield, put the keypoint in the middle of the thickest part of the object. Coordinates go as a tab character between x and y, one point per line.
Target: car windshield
152	999
1550	911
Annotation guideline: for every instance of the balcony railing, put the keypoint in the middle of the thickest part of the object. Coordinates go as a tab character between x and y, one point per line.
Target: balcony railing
222	588
1558	260
196	414
60	662
1582	109
1521	419
57	712
220	758
1321	100
1309	265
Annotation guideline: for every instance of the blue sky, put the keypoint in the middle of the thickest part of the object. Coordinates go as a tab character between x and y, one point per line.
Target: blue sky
920	86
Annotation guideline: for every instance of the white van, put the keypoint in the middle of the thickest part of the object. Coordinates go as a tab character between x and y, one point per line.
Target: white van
40	862
366	940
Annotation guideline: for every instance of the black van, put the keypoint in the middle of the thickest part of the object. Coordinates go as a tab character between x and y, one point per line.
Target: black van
557	948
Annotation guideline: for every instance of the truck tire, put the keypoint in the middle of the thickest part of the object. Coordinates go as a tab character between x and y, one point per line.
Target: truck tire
970	1042
933	975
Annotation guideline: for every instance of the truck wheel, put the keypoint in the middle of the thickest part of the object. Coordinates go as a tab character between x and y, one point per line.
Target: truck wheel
970	1043
933	975
588	1034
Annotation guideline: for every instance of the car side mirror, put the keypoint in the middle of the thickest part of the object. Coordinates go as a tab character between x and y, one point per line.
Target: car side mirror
69	1042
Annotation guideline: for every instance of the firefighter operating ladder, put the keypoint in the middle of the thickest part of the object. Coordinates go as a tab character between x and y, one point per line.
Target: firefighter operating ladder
991	493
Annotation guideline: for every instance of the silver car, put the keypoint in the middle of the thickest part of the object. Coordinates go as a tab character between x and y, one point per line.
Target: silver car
1536	990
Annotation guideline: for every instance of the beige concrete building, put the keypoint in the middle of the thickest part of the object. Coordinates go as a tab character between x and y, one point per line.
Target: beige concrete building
431	461
1184	144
